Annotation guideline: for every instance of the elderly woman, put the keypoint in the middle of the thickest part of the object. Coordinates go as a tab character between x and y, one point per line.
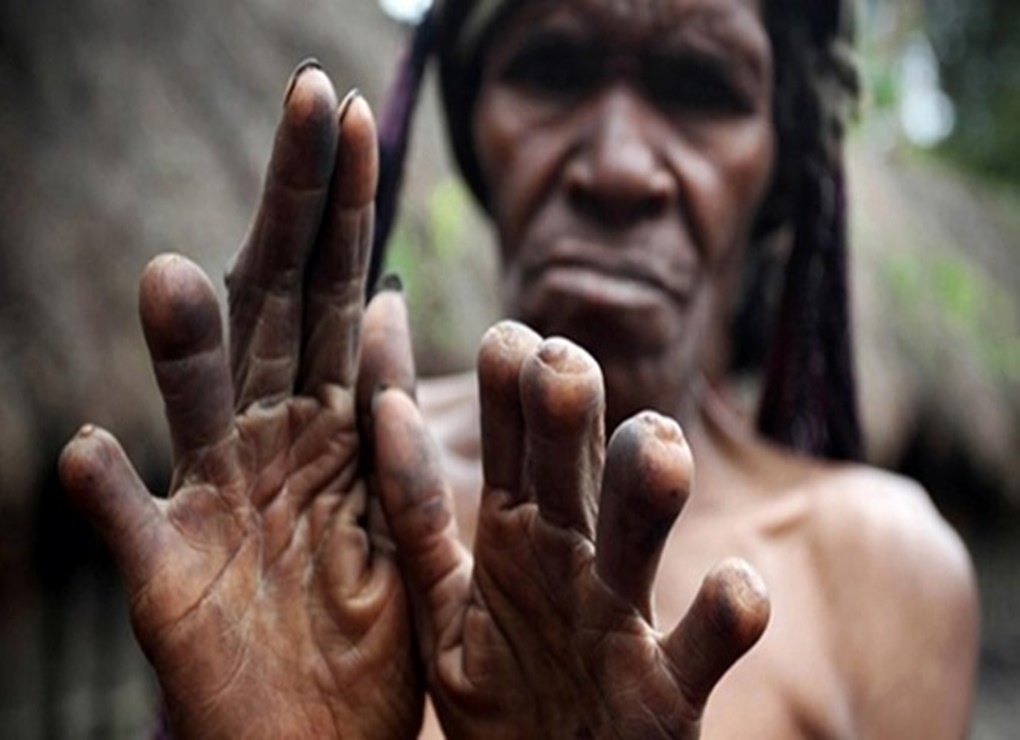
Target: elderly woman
326	560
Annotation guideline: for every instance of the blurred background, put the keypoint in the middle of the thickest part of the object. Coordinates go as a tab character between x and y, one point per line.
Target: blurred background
129	129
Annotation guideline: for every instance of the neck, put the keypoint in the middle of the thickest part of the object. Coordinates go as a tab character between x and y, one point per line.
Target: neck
632	389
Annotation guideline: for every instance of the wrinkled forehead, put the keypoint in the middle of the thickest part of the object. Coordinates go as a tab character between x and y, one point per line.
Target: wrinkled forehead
626	19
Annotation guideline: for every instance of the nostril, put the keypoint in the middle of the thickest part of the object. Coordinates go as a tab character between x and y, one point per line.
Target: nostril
654	205
617	207
582	198
618	190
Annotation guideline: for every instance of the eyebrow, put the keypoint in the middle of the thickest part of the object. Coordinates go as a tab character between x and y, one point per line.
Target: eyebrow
720	35
708	34
745	68
722	38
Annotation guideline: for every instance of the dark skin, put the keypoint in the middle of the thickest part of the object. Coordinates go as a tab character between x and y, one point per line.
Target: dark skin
548	629
534	606
265	590
625	185
625	163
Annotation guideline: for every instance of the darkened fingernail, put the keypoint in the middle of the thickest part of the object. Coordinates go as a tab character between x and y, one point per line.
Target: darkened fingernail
310	63
345	104
389	282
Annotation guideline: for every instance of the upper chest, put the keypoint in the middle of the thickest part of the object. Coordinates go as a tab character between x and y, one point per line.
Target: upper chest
790	684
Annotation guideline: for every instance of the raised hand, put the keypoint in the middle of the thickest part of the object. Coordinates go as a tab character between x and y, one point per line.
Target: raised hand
548	630
264	591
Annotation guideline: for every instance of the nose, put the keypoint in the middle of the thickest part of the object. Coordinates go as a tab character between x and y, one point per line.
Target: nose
616	174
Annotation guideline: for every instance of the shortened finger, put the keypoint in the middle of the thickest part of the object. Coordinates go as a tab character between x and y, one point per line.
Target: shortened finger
265	283
646	483
728	616
336	279
97	476
504	349
563	406
181	320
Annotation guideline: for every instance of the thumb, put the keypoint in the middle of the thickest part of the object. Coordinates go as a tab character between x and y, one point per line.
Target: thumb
102	482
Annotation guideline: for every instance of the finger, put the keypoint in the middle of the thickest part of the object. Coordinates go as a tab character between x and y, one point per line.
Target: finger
504	349
336	281
97	476
563	407
387	357
387	361
646	483
728	616
265	283
419	510
181	320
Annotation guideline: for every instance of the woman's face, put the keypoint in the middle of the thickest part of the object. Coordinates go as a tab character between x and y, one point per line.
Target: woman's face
626	147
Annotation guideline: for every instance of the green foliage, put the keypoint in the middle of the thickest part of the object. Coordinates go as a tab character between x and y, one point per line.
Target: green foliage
447	208
978	311
424	242
978	45
429	250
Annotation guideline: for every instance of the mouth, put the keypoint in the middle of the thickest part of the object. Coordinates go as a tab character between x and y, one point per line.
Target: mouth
616	275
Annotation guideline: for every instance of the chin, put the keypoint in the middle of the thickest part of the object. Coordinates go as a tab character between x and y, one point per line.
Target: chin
625	333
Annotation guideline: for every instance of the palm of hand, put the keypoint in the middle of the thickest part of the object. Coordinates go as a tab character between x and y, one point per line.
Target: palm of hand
263	590
264	600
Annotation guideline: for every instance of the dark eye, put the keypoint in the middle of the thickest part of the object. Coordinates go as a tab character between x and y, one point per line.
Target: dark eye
693	85
553	68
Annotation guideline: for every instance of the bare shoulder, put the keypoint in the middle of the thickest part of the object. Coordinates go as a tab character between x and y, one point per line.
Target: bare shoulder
876	524
902	601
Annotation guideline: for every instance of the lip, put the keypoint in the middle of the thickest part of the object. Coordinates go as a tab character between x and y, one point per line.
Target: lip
621	271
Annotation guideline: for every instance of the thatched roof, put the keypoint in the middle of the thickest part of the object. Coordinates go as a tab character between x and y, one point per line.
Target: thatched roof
128	130
937	277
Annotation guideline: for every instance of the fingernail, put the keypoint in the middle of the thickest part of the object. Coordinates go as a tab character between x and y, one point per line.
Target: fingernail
564	357
310	63
87	430
345	104
389	282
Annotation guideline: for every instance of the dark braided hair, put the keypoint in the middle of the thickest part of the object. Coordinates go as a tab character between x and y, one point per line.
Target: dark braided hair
809	397
797	298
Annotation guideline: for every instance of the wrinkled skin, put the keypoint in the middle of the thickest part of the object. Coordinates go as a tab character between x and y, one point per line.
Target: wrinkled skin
626	149
622	209
264	590
625	165
547	629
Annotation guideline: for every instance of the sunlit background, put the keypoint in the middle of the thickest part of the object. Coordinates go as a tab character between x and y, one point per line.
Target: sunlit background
128	129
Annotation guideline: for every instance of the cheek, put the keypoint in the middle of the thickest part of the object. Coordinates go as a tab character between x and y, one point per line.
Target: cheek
728	185
750	163
518	150
746	163
498	137
493	138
